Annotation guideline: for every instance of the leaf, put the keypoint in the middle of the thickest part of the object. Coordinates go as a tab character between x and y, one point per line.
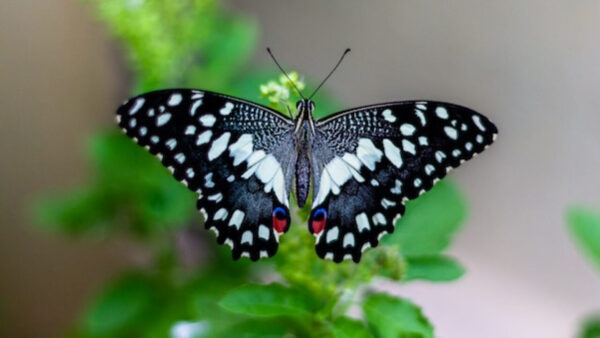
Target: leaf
254	328
584	226
435	268
75	212
590	328
269	300
121	307
429	222
228	49
389	316
345	327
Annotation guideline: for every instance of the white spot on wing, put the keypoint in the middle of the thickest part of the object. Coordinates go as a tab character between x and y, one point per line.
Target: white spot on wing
362	222
409	147
218	197
208	182
392	153
207	120
451	132
429	169
204	137
236	219
267	169
332	234
352	160
348	240
162	119
218	146
397	189
180	157
338	170
385	203
195	107
478	123
136	105
220	215
441	112
256	157
247	237
171	143
440	156
175	99
241	149
388	116
263	232
190	130
227	109
421	116
379	219
368	153
407	129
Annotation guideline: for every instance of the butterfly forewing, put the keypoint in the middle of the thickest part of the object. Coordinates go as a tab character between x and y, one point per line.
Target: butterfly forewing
367	162
238	157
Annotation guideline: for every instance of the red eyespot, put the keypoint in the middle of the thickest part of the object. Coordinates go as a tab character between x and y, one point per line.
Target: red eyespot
280	220
318	221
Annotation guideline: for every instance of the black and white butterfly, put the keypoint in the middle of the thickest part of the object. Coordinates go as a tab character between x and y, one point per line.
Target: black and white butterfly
243	159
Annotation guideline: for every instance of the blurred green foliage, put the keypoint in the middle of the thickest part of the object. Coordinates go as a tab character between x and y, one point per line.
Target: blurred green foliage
584	225
196	43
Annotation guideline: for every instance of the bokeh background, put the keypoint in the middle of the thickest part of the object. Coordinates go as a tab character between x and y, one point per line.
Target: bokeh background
532	66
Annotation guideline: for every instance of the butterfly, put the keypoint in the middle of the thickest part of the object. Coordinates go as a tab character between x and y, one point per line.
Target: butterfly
244	160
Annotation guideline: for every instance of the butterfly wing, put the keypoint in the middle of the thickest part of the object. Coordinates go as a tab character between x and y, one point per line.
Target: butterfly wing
367	162
238	157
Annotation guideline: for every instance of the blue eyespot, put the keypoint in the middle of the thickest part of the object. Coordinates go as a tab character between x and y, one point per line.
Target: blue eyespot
320	214
279	213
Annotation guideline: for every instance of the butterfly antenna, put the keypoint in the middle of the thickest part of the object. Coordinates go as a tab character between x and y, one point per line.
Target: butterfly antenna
284	72
331	72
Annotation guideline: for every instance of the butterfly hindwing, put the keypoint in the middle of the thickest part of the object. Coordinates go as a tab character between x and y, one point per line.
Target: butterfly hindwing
238	156
367	162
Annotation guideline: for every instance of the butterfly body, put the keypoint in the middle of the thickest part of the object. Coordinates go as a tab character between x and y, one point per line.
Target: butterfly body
244	159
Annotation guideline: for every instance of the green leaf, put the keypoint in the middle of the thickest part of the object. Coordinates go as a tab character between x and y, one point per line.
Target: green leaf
121	307
389	316
591	327
429	222
435	268
584	226
269	300
228	49
75	212
259	329
345	327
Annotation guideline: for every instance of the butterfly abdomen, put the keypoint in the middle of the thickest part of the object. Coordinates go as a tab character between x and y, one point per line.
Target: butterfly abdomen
302	169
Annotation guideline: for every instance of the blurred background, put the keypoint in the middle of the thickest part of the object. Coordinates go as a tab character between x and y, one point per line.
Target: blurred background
532	66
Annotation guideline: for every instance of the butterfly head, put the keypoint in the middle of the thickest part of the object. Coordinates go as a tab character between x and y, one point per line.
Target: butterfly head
305	107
